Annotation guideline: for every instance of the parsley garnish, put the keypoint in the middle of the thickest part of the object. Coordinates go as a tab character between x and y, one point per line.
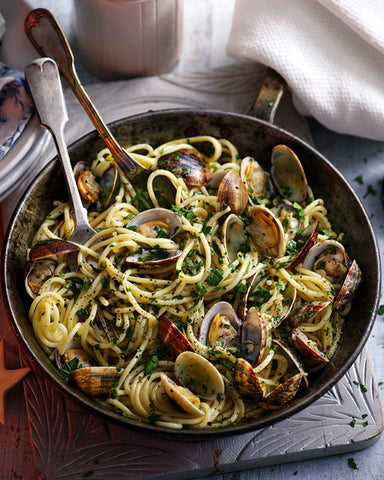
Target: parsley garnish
214	278
151	365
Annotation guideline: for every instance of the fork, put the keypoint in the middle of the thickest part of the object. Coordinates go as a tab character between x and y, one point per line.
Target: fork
43	79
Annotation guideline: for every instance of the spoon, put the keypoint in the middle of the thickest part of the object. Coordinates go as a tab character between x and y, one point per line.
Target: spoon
48	38
44	83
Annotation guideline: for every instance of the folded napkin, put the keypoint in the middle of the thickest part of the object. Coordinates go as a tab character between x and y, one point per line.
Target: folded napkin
16	107
330	52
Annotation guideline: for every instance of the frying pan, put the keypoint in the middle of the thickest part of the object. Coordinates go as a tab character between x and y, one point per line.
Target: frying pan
252	136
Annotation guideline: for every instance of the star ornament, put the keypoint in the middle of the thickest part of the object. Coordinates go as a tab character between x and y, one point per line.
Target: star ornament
8	379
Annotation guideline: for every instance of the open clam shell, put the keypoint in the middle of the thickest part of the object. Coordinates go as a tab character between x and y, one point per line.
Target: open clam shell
155	222
154	260
49	248
199	375
253	336
220	326
234	236
266	232
233	193
288	174
349	286
308	349
305	312
182	396
254	177
36	273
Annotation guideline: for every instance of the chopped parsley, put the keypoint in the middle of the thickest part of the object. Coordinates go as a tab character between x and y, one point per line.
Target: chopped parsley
214	278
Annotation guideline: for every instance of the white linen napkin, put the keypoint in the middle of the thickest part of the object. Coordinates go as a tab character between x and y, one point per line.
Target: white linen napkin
330	52
16	107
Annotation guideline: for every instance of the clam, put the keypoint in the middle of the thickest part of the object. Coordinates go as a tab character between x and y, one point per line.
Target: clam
156	222
36	273
293	377
51	247
78	353
233	193
214	181
102	192
95	381
254	177
89	187
110	185
282	394
186	164
329	259
305	312
349	286
309	350
293	357
289	219
252	281
199	375
234	236
220	326
311	232
247	382
266	232
183	397
288	175
174	340
156	260
253	336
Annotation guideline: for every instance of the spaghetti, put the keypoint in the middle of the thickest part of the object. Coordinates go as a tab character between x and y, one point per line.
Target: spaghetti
134	276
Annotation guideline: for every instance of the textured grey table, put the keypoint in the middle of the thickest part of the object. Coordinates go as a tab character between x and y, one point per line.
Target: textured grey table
207	22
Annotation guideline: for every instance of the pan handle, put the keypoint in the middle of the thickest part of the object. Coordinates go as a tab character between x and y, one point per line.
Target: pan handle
268	99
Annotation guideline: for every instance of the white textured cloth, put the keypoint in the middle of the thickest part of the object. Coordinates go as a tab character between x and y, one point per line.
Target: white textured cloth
330	52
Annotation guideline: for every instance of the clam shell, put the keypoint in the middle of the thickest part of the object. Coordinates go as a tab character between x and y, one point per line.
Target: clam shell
110	185
253	336
288	174
174	340
247	382
50	248
88	186
305	311
337	256
350	284
282	394
308	349
95	381
232	192
186	164
147	221
234	236
199	375
254	177
36	273
183	397
266	232
212	327
149	260
310	242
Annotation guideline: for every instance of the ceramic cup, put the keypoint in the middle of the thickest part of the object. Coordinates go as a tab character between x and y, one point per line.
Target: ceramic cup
129	38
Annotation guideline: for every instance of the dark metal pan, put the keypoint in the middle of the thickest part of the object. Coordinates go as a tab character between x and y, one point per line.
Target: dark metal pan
255	137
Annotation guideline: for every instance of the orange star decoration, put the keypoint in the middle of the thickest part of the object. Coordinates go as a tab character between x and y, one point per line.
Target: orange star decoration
8	379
